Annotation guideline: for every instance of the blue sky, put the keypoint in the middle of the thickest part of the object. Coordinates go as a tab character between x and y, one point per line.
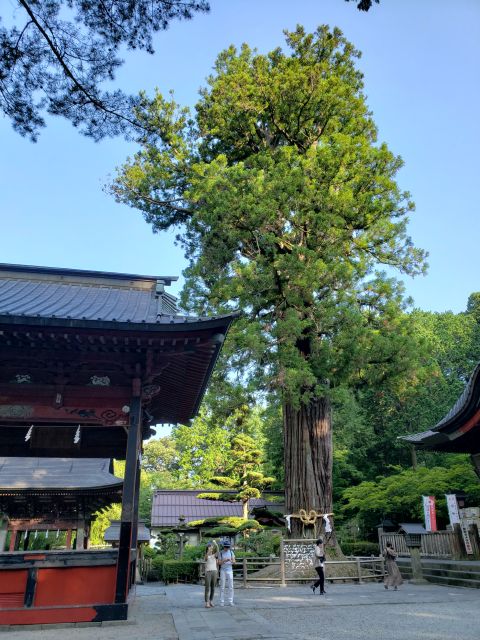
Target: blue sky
422	78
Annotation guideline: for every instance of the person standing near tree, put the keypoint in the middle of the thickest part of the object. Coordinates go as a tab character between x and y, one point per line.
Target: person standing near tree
211	559
319	563
226	561
393	578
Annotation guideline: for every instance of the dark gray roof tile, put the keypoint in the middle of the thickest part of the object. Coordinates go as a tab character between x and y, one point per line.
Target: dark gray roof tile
168	506
62	293
56	473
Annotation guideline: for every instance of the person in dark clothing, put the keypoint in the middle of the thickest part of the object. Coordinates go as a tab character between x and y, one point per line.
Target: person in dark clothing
319	563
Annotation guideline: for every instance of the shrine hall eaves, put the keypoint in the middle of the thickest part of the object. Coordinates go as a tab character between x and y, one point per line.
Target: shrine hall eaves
34	474
76	295
458	422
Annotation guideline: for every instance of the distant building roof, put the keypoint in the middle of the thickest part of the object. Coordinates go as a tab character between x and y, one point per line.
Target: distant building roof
34	474
412	527
459	430
169	506
112	533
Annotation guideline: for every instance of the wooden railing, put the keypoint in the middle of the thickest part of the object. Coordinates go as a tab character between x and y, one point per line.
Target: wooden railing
438	544
357	569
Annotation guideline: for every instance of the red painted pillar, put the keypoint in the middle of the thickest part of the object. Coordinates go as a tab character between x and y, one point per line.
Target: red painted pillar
13	540
69	539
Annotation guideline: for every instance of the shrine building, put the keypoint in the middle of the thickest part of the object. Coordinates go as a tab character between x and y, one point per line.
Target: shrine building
459	430
89	363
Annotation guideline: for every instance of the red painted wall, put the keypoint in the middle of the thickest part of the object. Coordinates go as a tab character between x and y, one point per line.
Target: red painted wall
75	586
12	588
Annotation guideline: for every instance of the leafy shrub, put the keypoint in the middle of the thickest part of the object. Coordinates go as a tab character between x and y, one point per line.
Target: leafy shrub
239	554
167	544
174	570
360	548
191	552
262	543
149	552
249	524
156	571
219	532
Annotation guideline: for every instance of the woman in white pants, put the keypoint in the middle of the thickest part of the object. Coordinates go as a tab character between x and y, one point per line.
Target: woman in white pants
226	560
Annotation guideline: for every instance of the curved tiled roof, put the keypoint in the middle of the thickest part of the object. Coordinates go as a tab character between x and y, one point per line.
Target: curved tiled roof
30	474
48	310
71	294
112	533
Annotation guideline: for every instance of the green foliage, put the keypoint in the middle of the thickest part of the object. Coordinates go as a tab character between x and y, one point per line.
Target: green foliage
103	519
191	552
175	570
262	543
288	204
156	572
233	523
160	456
204	448
57	54
166	544
215	496
220	531
398	496
245	475
360	548
473	305
287	207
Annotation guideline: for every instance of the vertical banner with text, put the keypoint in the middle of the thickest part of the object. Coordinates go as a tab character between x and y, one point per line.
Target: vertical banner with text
452	506
429	513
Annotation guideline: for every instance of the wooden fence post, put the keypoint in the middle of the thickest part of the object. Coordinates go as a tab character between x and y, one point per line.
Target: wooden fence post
244	564
282	565
359	571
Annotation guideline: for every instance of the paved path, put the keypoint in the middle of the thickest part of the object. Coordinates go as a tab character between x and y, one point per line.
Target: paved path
347	612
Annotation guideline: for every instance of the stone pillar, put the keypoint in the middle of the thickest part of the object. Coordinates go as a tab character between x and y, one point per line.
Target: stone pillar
416	562
80	535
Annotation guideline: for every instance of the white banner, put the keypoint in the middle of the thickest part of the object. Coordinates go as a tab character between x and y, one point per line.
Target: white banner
452	506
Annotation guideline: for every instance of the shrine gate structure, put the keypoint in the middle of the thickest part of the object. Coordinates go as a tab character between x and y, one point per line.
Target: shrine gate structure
89	362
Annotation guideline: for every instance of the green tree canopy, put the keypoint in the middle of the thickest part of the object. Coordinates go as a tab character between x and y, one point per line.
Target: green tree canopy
205	446
286	205
399	496
244	475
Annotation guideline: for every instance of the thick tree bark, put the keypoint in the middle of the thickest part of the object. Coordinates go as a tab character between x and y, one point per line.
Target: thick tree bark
308	461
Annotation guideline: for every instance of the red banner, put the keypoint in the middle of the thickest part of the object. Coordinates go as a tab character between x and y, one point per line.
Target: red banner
430	513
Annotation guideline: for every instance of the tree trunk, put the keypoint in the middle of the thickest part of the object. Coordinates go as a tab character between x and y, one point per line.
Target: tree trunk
308	461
